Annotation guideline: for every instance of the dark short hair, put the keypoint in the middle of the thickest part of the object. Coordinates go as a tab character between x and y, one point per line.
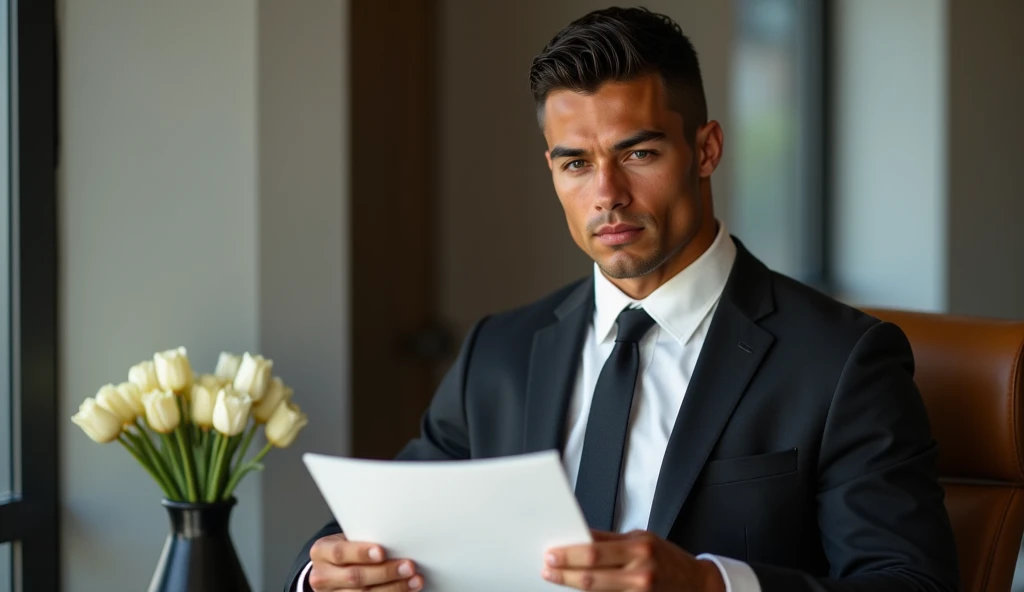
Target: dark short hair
617	45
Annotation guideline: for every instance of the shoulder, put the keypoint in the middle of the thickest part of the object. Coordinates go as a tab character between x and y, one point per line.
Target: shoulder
805	308
821	328
524	321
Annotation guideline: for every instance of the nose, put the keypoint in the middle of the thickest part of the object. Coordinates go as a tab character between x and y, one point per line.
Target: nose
612	191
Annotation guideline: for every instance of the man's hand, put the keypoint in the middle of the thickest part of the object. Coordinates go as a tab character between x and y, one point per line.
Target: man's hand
637	561
340	564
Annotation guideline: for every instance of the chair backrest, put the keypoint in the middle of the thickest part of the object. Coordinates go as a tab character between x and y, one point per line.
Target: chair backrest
970	373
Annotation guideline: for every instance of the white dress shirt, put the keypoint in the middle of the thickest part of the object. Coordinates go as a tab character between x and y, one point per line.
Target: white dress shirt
682	309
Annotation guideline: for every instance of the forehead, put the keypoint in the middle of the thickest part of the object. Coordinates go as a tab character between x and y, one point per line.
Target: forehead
615	110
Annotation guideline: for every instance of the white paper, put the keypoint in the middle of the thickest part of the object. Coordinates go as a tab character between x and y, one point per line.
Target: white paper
468	525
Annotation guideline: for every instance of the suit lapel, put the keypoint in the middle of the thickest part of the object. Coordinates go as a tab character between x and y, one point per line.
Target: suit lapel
732	352
554	364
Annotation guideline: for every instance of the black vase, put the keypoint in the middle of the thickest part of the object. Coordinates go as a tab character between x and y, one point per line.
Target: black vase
199	555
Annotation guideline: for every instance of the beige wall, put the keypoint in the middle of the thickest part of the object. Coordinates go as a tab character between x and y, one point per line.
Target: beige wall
503	239
157	205
986	147
889	152
303	253
202	202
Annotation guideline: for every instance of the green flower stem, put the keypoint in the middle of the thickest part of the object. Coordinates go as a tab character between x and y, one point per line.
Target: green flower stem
142	441
252	465
189	467
232	447
245	446
166	463
218	472
202	460
183	433
146	465
213	445
184	407
240	467
174	461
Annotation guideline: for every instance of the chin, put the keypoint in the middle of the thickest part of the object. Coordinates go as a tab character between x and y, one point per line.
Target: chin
621	265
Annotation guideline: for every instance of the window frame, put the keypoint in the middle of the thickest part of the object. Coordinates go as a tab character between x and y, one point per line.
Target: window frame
29	518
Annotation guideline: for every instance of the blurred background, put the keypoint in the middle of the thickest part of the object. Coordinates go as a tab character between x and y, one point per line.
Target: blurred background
346	186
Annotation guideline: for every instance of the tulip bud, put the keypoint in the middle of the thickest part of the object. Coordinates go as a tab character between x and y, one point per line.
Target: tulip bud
109	398
202	401
143	375
284	424
212	382
231	411
131	393
162	412
227	366
253	376
98	423
173	371
276	394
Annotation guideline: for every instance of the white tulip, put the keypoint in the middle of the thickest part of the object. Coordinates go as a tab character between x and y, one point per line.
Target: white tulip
276	394
143	375
162	411
173	371
213	382
253	376
98	423
109	398
202	401
231	411
284	425
227	366
131	393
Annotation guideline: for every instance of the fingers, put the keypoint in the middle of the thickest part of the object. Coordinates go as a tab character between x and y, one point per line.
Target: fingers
338	550
410	585
600	535
608	553
395	575
600	579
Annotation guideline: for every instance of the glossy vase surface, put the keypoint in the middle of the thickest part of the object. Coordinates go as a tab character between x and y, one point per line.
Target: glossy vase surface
199	555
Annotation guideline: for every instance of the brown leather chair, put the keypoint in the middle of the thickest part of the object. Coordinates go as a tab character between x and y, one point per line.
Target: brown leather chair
971	375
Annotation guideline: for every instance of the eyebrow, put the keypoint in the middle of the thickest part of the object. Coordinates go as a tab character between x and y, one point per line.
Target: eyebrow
637	138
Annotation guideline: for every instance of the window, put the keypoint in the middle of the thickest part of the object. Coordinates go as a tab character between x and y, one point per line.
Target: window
778	100
29	552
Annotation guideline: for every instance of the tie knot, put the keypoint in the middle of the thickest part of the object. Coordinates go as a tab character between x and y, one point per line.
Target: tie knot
633	325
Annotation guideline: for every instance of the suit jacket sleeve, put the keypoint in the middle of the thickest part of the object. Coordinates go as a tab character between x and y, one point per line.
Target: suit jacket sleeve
881	511
444	435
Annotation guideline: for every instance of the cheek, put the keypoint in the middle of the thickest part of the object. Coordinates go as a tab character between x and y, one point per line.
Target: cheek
668	200
573	201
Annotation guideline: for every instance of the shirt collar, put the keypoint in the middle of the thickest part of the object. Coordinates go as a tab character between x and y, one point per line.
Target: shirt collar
679	305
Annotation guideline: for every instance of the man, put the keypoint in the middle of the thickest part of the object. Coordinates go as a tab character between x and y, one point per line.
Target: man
723	427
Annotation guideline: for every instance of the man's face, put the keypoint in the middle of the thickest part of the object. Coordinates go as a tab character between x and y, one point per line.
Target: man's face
624	173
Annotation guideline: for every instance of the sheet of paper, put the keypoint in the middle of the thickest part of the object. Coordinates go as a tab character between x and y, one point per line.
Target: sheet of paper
469	525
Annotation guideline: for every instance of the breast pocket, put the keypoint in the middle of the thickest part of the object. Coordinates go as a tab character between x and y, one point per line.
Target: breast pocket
749	468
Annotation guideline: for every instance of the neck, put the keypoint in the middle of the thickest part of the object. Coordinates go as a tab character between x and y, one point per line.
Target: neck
641	287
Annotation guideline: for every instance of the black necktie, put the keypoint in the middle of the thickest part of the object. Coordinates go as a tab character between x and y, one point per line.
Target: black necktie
597	483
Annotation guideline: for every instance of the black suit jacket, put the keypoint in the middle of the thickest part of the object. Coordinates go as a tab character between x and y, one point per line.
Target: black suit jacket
802	445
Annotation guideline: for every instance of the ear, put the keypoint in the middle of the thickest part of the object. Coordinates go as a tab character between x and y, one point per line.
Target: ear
547	157
709	142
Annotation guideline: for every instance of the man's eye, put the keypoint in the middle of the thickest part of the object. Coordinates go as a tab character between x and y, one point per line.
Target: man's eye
575	165
641	154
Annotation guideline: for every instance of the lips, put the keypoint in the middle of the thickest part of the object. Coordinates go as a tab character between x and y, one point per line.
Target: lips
618	234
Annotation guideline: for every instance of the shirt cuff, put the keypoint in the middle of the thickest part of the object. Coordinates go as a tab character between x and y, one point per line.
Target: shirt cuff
738	576
300	584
